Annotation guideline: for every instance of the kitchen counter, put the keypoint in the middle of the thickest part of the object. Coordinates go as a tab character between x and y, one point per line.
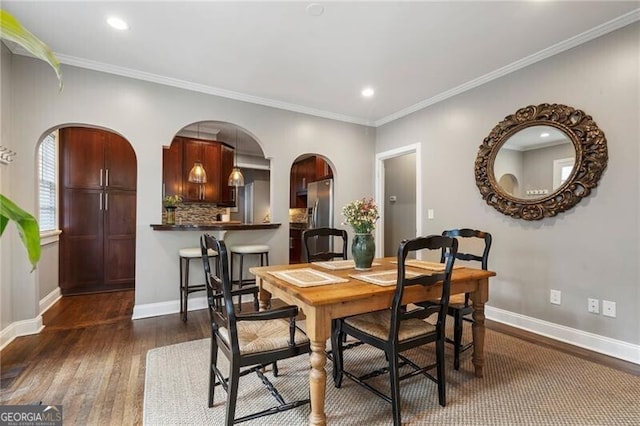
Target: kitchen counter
214	226
298	225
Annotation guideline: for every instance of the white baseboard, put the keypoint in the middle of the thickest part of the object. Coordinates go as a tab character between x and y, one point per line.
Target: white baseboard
593	342
20	328
48	301
165	308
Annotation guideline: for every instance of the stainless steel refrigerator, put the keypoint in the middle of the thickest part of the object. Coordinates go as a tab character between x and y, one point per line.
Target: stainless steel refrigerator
320	211
256	201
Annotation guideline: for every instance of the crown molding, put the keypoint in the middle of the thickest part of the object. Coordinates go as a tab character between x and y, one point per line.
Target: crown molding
572	42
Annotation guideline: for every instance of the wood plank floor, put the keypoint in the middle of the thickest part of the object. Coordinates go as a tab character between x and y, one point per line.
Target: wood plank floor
91	357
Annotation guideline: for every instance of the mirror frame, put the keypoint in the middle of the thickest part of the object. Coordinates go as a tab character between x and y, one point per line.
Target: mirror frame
590	161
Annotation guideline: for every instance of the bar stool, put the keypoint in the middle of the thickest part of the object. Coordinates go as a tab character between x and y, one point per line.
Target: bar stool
245	250
186	288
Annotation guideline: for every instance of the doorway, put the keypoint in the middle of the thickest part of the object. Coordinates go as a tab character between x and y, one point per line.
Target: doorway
399	196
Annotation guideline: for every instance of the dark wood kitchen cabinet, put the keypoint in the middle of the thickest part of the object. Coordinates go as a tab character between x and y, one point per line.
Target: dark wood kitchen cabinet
98	175
310	169
217	160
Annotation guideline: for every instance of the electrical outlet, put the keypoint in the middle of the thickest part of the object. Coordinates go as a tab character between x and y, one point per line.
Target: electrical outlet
429	213
593	306
609	308
555	297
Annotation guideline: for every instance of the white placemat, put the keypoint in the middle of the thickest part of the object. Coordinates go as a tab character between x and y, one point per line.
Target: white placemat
339	264
430	266
307	277
384	278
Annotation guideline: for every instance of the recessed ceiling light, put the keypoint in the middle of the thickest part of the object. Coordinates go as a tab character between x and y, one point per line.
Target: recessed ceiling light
315	9
117	23
367	92
544	135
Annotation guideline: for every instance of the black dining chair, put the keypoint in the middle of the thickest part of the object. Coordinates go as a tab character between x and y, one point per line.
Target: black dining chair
460	306
397	329
251	341
312	251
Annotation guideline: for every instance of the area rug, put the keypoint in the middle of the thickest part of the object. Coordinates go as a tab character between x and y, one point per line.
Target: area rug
523	384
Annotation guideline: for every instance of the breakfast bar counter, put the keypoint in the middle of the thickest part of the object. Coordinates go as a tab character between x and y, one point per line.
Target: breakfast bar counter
214	226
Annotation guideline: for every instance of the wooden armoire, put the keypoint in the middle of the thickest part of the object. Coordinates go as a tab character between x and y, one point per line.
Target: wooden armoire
98	175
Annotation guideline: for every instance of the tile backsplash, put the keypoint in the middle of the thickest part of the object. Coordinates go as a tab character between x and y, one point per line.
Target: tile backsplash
298	215
194	213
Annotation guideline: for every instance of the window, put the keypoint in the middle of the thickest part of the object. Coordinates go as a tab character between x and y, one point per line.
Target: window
562	169
47	161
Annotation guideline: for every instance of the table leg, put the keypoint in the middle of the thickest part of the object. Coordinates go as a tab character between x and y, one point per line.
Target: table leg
317	383
264	297
479	297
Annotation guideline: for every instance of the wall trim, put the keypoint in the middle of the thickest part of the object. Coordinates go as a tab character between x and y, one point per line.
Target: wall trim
593	342
48	301
20	328
149	310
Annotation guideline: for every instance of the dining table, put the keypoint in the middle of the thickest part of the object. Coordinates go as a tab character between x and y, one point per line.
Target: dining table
324	291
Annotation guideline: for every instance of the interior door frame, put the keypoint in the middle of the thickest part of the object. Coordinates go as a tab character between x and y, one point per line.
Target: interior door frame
379	188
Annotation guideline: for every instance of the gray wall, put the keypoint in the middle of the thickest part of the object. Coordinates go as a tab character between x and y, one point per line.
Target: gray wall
589	251
148	116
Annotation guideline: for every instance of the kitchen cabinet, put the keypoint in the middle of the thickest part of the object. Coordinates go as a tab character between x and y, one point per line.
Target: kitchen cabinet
295	245
98	175
310	169
217	160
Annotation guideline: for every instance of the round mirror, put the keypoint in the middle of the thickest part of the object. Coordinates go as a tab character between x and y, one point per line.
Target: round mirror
540	161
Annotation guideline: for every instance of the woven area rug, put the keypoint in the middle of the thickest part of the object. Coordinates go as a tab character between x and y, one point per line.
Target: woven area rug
524	384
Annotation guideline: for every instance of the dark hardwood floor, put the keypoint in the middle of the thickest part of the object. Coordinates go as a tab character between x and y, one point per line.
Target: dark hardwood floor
91	357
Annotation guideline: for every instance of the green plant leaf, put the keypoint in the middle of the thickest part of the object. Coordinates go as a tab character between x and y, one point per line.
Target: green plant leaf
27	227
11	29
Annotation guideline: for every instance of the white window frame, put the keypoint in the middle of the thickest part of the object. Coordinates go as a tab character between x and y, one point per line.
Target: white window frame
51	232
558	166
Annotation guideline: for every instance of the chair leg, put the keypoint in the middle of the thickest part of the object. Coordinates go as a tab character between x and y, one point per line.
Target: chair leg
337	337
186	290
232	392
442	397
457	339
182	288
240	282
212	375
394	377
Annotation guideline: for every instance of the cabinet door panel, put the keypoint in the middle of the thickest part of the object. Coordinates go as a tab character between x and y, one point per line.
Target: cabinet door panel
81	240
227	193
82	152
212	161
120	163
120	239
172	168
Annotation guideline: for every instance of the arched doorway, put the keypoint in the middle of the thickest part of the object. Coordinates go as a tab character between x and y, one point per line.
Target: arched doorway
310	200
98	184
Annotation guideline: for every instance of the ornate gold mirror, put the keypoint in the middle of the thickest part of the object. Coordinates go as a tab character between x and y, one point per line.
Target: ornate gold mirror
540	161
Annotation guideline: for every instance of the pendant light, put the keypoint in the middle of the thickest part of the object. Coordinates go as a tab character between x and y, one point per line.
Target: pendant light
236	178
198	174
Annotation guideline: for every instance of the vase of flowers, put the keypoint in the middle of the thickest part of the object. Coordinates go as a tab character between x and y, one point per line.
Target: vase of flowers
170	203
362	216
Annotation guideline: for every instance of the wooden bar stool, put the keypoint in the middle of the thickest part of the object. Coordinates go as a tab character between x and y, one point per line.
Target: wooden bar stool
243	250
186	288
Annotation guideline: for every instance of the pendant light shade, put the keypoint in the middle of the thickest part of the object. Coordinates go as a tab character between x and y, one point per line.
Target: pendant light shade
236	178
197	174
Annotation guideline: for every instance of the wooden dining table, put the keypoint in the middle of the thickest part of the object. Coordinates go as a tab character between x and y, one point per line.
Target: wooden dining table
322	303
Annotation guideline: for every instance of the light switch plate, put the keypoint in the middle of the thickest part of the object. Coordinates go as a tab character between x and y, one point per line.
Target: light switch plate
609	308
555	297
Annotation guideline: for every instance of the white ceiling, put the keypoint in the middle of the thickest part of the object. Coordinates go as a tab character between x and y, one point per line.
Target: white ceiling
276	53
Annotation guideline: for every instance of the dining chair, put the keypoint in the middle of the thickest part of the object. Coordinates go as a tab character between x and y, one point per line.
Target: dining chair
249	341
460	306
311	237
397	329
